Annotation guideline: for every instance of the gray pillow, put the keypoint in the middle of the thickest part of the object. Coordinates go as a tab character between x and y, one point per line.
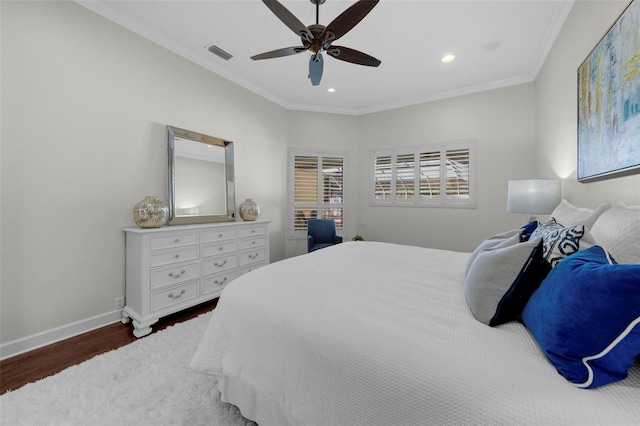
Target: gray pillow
502	278
490	242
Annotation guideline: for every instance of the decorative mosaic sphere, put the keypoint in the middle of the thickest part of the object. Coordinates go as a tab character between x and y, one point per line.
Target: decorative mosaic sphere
249	210
150	212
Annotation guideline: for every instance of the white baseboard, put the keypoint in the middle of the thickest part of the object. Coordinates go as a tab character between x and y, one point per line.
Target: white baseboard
35	341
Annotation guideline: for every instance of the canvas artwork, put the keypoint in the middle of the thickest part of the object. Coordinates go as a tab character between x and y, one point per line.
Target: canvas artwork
609	101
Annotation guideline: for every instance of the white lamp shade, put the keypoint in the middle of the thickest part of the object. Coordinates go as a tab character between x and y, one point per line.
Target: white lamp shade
533	196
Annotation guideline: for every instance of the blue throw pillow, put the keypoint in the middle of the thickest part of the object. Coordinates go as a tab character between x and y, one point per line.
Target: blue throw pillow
586	317
528	229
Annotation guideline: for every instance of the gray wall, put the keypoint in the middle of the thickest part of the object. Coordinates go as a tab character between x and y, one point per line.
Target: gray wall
84	108
502	122
556	106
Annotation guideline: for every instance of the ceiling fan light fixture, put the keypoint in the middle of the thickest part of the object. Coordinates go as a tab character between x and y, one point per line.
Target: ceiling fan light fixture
317	38
448	58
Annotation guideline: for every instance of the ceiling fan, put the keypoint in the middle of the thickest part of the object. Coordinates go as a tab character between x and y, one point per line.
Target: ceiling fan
318	38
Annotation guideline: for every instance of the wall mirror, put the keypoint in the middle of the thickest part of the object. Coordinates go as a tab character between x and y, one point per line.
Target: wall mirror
201	185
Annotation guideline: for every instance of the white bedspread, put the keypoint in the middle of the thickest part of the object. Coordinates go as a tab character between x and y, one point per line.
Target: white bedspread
367	333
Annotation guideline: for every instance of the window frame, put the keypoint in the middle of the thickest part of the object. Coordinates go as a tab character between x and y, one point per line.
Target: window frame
416	201
298	234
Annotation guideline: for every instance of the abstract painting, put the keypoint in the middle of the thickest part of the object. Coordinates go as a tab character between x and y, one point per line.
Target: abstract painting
609	101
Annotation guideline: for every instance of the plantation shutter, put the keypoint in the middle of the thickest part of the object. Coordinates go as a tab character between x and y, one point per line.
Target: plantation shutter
405	176
429	183
318	189
382	177
458	174
305	190
438	175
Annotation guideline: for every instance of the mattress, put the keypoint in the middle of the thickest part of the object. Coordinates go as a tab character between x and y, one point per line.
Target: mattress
367	333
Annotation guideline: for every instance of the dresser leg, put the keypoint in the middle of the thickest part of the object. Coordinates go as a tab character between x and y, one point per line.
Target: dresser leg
142	329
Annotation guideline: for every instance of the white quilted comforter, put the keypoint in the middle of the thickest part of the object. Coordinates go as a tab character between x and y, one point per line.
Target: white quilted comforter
380	334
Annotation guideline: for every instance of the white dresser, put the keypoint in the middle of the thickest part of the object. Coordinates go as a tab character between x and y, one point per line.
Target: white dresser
172	268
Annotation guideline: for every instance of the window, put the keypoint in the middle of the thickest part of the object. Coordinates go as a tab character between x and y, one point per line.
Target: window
316	189
438	175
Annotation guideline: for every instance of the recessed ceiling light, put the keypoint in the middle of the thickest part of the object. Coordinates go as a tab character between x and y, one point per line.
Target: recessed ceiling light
448	58
331	90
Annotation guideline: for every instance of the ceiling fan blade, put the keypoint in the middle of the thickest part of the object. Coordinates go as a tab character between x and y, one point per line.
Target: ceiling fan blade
278	53
289	19
316	63
349	18
353	56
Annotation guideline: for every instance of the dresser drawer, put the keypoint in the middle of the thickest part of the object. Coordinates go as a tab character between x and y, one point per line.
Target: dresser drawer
169	276
250	231
251	267
167	257
219	235
223	247
248	243
174	295
251	256
175	240
217	282
219	264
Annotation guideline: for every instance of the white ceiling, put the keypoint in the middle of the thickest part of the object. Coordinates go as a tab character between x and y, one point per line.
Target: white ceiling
408	36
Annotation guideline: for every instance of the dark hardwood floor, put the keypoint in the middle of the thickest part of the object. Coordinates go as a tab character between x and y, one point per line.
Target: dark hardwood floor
19	370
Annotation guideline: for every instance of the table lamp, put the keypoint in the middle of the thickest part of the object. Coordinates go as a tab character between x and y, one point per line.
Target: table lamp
533	196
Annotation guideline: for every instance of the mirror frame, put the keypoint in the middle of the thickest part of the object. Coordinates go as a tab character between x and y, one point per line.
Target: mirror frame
175	132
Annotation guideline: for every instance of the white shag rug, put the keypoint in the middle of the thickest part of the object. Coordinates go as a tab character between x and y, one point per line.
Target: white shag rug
147	382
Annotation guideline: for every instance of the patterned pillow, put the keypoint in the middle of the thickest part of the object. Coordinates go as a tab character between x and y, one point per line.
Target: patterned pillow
569	215
586	318
502	278
565	241
546	228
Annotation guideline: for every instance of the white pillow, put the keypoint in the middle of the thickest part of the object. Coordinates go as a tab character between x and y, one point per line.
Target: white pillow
567	214
618	231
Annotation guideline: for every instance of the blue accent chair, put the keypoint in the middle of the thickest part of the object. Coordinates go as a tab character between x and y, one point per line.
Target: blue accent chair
321	233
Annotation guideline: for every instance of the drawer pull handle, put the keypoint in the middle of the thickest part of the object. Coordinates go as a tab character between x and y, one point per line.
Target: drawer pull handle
179	275
253	256
253	231
178	296
253	243
219	265
177	256
221	282
220	248
219	235
177	240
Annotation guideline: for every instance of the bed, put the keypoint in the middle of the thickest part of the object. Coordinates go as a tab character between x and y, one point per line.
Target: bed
372	333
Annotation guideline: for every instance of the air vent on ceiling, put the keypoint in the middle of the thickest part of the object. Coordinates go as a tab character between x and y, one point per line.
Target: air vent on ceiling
219	52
